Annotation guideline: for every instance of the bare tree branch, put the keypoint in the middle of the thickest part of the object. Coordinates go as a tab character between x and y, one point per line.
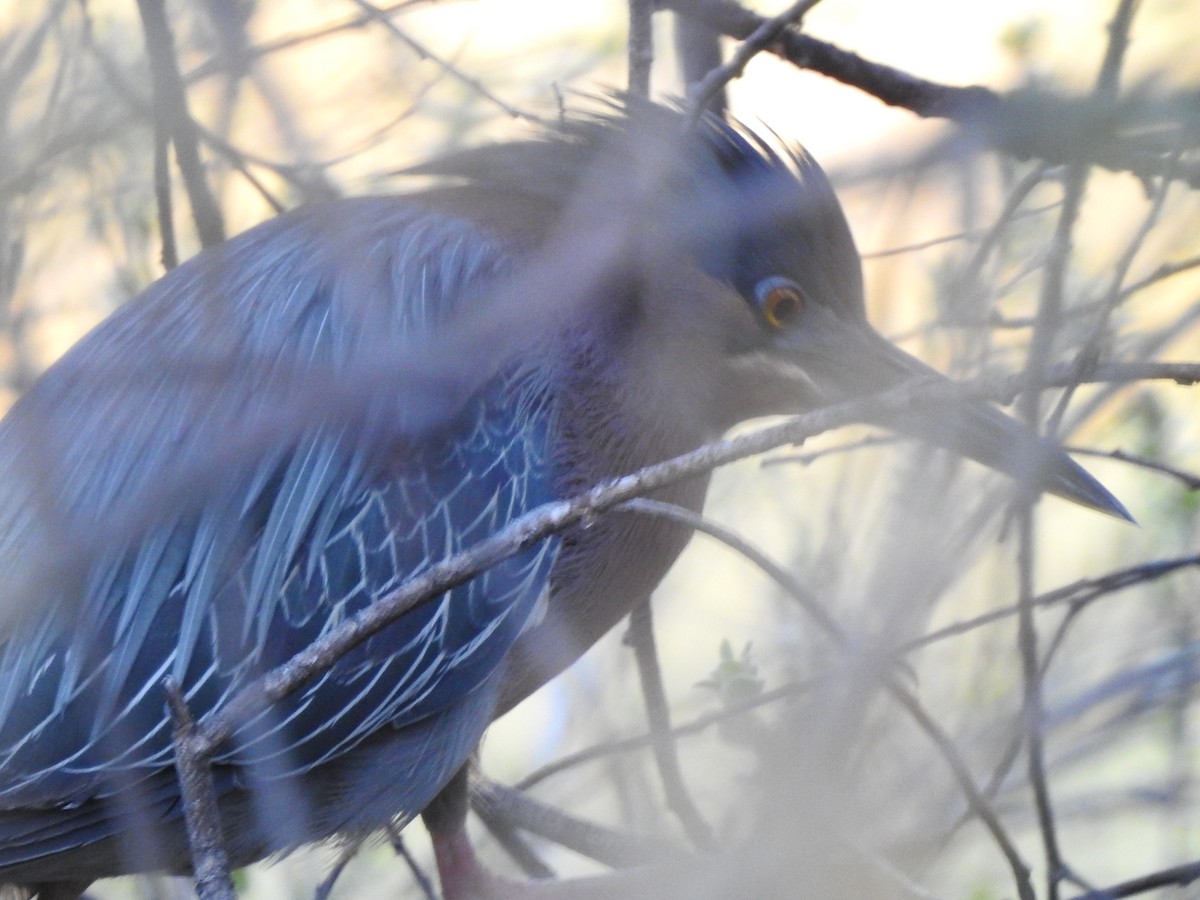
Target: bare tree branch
612	848
640	637
641	46
210	862
1027	123
554	517
760	39
171	109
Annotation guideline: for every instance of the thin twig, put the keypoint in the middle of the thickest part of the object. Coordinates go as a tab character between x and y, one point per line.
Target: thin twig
210	862
215	65
1049	319
448	67
170	105
1090	349
1033	711
1163	272
553	517
1187	479
1078	594
658	714
698	51
325	888
612	848
1175	876
646	739
986	237
423	880
505	832
1024	123
641	47
169	256
759	40
890	85
1108	81
1047	323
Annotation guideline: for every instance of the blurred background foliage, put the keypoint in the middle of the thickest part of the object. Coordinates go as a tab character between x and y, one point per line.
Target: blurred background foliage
297	100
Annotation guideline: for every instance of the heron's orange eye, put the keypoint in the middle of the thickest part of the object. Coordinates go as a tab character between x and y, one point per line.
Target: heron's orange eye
781	302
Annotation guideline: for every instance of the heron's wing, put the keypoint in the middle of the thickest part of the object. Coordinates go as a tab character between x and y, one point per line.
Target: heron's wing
235	462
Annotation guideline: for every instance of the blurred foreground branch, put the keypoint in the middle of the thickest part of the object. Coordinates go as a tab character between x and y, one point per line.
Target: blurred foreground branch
1028	124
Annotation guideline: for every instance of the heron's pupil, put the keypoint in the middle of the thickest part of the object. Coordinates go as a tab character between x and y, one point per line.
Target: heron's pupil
782	306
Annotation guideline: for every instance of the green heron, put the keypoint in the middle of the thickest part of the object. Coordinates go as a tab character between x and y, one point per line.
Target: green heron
282	430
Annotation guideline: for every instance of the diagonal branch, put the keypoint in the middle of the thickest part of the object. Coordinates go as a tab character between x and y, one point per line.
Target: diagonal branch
1028	123
552	518
615	849
196	747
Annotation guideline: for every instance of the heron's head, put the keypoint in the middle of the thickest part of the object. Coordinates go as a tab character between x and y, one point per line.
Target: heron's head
737	290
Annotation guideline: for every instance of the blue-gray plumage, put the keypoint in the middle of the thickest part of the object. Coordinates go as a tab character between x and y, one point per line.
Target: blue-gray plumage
223	471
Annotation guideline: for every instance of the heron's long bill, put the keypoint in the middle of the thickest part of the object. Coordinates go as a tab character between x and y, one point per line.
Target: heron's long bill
867	363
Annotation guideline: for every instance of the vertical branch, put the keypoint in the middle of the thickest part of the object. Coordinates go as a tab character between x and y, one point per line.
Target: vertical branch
423	880
641	638
1033	707
1105	91
162	195
759	40
641	46
1047	324
210	862
172	116
698	48
1109	78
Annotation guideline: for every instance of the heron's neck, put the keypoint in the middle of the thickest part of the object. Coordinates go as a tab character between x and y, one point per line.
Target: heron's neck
613	418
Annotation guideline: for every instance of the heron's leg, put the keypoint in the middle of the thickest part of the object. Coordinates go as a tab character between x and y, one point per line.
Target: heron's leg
461	874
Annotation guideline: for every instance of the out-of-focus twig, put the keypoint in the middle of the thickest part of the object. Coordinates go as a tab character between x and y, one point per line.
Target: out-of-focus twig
1027	123
511	840
612	848
1175	876
755	43
666	755
424	883
171	111
698	49
641	47
383	18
